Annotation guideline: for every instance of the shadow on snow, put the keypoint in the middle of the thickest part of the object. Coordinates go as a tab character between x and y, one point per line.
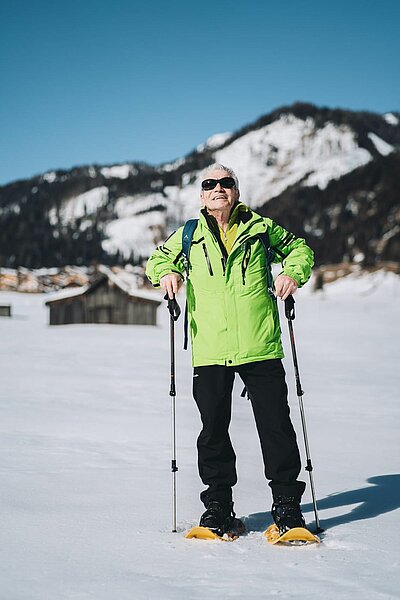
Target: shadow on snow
381	497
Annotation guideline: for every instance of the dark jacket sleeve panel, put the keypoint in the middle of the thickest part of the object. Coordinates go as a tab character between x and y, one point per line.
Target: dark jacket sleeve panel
166	259
296	256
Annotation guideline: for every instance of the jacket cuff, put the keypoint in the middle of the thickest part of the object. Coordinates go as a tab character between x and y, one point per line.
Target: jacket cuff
293	276
169	272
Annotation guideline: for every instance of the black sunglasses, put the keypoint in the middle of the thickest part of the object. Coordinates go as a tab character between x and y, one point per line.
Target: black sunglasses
225	182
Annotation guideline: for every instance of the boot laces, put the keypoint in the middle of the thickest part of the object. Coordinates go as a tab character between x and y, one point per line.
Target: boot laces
217	515
286	513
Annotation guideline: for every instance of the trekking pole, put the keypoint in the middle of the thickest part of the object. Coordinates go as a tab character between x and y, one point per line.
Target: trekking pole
290	315
174	312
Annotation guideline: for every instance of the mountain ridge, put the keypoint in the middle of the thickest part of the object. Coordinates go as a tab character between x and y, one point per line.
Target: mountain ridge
293	156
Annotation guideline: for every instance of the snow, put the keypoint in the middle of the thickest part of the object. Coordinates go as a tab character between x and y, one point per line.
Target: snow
85	469
138	218
391	119
133	234
185	201
172	165
67	293
383	147
11	208
215	141
127	206
128	282
79	206
125	280
288	151
119	171
359	257
50	176
268	160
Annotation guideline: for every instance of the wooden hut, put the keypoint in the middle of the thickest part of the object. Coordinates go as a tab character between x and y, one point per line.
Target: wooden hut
112	298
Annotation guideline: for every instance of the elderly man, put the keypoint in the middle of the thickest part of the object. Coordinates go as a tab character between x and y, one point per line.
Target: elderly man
234	327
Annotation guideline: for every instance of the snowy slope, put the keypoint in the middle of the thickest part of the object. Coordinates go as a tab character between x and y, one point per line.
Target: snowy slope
291	150
270	159
79	206
85	469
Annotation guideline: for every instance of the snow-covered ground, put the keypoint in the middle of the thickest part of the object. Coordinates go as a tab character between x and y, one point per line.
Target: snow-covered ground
85	485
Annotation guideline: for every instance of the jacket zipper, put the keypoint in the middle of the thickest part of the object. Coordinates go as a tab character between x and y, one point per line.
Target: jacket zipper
221	248
246	235
223	263
246	259
207	259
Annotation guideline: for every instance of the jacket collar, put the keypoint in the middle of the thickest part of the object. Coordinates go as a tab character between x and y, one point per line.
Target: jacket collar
240	213
250	224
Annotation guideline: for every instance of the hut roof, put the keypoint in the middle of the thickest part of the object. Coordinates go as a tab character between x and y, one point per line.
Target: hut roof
67	293
123	279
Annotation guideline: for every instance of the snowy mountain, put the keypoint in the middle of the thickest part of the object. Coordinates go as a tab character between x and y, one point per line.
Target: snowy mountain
329	175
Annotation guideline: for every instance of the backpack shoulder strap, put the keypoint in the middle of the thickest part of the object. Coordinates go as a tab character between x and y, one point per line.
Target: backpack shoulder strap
187	236
270	251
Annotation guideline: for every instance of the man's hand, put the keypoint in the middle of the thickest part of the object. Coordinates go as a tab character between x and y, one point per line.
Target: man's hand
284	286
171	283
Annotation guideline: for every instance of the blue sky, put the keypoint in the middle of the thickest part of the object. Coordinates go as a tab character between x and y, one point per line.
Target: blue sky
95	81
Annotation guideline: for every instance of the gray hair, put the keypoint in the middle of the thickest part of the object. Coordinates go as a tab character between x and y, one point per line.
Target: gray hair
219	167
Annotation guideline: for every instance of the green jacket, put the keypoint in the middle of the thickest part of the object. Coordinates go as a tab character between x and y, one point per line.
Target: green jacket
232	318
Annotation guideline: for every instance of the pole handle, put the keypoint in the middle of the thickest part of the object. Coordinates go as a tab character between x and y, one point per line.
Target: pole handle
173	307
289	308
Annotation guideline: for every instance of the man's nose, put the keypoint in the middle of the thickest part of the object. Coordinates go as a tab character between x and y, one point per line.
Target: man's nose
219	186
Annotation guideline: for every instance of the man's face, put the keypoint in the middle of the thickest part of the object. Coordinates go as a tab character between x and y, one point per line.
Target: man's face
219	198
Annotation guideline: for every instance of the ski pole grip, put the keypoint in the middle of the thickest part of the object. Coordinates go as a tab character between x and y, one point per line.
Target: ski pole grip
173	307
289	308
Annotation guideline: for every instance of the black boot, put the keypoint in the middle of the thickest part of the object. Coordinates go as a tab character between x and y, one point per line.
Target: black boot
219	517
286	513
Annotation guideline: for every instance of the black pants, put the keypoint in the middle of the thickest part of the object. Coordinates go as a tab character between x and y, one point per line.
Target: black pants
266	386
